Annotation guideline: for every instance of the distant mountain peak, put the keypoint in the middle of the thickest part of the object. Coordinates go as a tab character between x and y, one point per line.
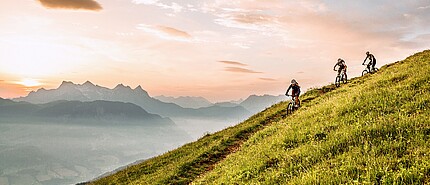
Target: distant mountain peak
66	84
39	90
88	83
122	86
138	88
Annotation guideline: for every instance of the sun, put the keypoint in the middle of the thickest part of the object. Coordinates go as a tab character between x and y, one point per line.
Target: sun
28	82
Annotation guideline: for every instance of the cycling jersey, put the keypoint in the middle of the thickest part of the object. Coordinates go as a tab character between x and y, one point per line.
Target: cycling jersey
295	90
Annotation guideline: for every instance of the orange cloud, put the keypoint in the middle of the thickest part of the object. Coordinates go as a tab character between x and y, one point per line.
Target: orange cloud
232	63
268	79
13	90
165	32
72	4
251	18
174	32
240	70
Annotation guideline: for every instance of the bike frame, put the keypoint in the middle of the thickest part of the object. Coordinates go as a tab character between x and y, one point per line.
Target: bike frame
368	69
292	100
293	105
341	76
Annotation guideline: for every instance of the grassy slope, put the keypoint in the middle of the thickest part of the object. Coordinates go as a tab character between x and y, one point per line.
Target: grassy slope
374	129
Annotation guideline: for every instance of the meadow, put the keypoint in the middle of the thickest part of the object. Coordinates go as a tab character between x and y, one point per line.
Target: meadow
373	130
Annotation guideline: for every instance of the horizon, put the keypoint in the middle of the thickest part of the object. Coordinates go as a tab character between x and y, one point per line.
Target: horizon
220	50
134	88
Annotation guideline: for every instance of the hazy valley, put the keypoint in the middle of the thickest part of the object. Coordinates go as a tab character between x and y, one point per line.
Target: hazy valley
80	131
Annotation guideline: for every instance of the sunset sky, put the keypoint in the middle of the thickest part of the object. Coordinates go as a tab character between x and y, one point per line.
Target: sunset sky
218	49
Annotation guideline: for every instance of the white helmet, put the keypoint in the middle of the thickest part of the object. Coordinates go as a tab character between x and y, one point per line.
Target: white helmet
293	81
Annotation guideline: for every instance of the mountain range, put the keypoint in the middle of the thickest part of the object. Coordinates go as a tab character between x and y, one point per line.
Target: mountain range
77	111
253	103
186	101
88	92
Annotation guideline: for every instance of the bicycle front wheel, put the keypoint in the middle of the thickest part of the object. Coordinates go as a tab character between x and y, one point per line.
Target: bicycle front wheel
337	81
290	108
344	78
364	72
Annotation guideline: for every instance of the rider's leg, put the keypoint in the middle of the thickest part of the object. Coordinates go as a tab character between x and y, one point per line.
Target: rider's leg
296	100
373	65
344	71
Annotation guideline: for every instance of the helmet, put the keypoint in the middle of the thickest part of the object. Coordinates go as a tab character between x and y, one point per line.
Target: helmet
339	59
293	81
367	53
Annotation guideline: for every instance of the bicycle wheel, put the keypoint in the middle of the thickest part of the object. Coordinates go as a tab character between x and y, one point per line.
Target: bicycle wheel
364	72
337	81
290	108
375	70
344	78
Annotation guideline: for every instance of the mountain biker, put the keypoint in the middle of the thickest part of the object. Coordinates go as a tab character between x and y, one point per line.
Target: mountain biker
372	61
341	64
295	91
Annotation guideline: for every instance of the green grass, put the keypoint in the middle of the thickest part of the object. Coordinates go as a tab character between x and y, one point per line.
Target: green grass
373	130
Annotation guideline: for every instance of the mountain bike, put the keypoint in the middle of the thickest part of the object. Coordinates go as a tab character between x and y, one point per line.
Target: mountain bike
342	77
366	70
292	106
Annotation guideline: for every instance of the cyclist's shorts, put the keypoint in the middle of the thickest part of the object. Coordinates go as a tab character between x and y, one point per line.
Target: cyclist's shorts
295	93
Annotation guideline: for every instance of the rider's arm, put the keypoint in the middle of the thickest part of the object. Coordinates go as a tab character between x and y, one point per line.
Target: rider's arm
365	60
286	93
334	67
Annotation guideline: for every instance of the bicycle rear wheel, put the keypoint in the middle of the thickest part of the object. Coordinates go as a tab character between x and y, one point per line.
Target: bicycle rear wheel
364	72
375	70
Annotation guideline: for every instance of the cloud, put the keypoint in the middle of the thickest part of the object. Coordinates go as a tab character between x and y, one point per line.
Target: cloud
175	7
166	32
424	7
237	69
240	70
10	89
267	79
72	4
174	32
232	63
251	18
259	16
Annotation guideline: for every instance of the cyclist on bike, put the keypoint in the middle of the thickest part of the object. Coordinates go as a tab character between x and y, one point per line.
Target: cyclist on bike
372	61
341	64
295	91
